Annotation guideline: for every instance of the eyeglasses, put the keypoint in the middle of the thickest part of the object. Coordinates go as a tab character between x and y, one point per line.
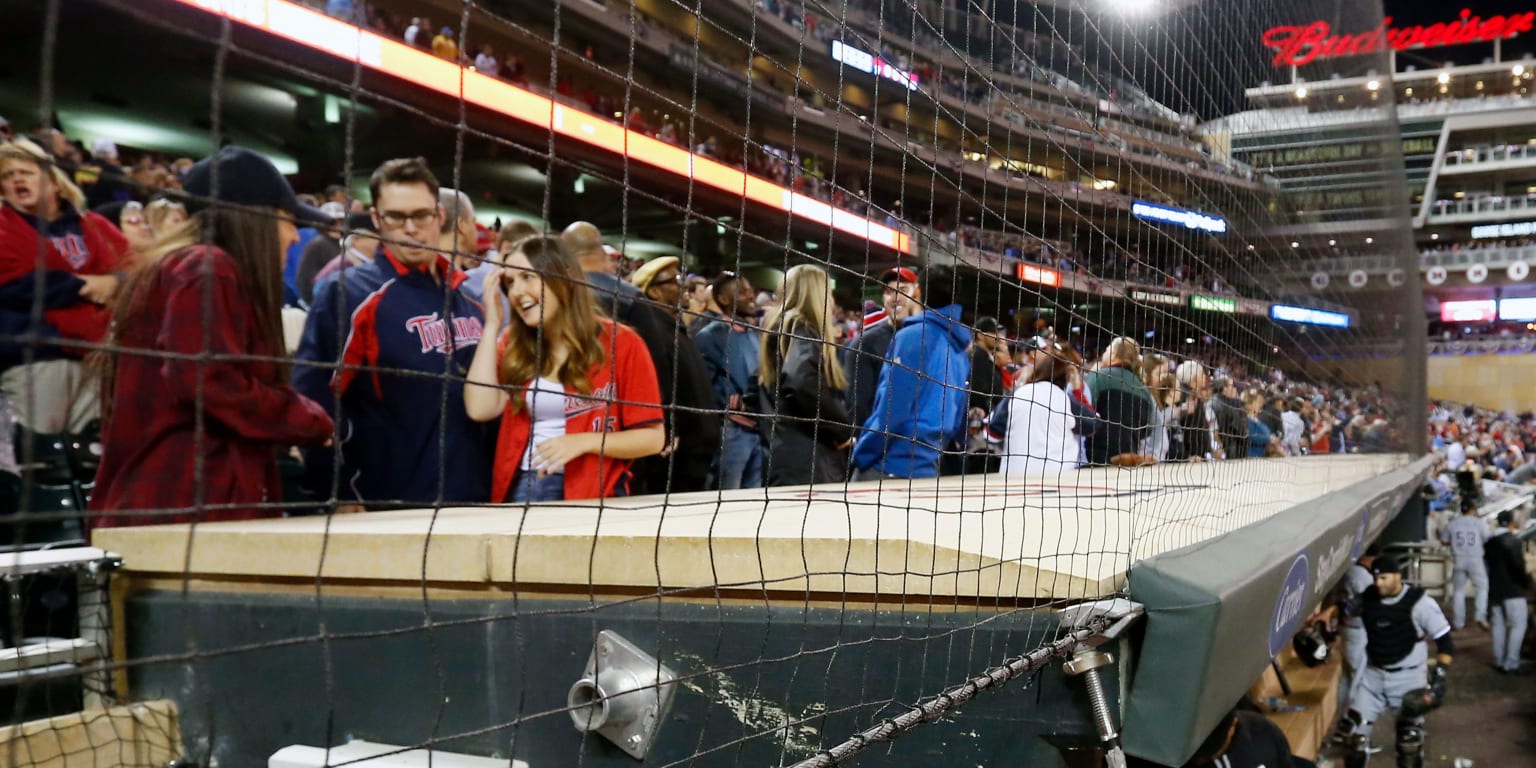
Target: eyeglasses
397	219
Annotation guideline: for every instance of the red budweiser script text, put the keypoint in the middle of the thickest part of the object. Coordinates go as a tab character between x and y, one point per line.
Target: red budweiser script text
1295	46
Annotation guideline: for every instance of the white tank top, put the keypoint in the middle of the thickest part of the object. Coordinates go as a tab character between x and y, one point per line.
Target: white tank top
546	408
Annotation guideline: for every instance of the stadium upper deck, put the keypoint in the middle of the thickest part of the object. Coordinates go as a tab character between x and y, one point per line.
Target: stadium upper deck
1468	153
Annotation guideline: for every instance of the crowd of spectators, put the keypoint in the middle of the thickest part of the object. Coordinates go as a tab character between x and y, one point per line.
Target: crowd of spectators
1493	445
776	387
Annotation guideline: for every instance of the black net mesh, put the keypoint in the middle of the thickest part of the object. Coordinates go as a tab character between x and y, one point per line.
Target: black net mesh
786	364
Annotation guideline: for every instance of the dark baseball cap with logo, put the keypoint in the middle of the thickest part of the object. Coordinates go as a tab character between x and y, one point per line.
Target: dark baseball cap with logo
899	274
1386	564
245	178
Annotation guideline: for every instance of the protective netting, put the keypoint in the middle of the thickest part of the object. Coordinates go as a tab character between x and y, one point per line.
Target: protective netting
838	345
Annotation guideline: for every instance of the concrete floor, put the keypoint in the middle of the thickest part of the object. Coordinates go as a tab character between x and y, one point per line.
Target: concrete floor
1488	718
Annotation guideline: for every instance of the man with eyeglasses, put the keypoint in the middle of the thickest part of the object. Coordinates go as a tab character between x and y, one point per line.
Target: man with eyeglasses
385	350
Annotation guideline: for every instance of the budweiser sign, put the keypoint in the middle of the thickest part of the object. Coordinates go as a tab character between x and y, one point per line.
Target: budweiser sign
1295	46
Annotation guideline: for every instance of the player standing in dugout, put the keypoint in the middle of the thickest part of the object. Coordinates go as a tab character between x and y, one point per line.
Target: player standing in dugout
1397	618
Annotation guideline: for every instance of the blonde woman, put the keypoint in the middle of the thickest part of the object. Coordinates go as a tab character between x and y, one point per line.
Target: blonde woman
164	215
802	385
65	259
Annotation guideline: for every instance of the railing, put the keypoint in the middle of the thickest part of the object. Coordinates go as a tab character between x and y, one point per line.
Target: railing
1501	345
1483	204
1500	154
1466	257
1340	265
1496	345
1493	257
1284	119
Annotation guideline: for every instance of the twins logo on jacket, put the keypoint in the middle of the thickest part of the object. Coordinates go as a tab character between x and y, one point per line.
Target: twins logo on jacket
395	306
400	389
72	248
433	331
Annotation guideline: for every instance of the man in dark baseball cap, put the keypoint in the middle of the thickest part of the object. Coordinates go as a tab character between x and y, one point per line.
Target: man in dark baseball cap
1508	583
900	299
1398	619
245	177
1386	564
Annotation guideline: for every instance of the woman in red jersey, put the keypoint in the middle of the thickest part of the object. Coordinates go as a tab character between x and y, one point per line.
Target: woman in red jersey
576	392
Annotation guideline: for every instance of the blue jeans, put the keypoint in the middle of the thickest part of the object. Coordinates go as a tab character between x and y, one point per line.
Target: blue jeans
531	489
741	459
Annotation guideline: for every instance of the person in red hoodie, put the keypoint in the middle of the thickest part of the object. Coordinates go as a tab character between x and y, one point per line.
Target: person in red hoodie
197	395
576	392
59	258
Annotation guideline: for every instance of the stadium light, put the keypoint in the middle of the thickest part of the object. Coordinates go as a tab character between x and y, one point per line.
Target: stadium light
1301	92
1373	85
1517	70
1370	240
1444	78
1133	7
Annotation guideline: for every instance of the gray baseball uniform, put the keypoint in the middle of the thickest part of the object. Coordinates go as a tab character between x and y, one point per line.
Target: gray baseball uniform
1382	686
1356	580
1466	535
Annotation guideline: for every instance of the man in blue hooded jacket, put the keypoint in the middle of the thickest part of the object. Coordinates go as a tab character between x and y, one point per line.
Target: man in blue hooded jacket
920	403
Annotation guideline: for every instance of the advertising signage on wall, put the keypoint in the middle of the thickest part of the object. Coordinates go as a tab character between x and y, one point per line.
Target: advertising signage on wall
1154	297
1309	316
1213	304
1521	310
1030	273
1517	229
1192	219
1295	46
864	61
1468	311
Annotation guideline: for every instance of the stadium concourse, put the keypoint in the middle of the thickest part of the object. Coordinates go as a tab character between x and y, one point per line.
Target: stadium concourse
869	382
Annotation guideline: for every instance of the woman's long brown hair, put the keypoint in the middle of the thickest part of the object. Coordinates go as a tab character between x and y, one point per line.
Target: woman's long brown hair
251	240
574	327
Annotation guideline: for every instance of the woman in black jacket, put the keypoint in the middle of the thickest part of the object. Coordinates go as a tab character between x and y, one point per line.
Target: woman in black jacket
809	431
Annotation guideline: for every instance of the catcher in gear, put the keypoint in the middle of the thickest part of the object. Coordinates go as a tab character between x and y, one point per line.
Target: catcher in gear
1398	618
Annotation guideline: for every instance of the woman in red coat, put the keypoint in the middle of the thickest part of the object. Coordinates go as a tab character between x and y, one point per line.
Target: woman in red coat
576	392
197	400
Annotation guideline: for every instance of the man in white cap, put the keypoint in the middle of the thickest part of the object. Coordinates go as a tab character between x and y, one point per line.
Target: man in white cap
320	250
